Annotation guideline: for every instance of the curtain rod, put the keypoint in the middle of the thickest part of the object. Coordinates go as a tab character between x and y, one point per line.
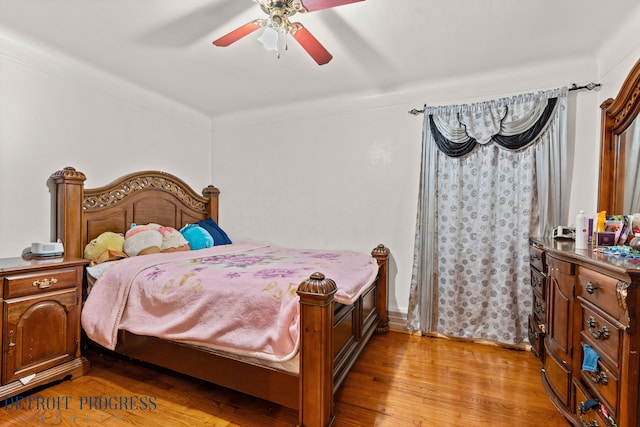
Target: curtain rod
588	86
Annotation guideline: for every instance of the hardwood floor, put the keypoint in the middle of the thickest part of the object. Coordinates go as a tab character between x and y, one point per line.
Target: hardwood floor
410	381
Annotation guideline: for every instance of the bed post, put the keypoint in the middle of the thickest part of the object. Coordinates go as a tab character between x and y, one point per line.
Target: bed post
68	219
211	193
316	351
381	254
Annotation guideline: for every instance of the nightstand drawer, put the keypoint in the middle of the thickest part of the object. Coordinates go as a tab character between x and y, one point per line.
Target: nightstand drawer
42	281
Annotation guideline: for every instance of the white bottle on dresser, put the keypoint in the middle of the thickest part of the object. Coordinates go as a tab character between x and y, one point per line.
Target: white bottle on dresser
582	235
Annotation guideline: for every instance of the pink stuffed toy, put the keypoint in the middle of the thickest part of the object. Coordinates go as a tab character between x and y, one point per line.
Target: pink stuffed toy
172	239
142	240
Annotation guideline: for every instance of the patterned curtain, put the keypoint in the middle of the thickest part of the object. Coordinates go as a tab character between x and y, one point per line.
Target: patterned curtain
483	167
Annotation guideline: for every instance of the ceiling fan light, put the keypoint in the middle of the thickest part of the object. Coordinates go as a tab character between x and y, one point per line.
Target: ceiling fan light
273	39
269	38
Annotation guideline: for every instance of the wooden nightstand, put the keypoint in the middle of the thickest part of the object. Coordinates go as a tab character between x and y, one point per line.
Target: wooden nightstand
41	304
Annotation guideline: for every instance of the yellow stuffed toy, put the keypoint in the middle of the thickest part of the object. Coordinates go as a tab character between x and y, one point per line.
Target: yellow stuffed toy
103	243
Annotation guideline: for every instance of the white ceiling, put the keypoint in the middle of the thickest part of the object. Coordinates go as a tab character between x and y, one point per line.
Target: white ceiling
378	46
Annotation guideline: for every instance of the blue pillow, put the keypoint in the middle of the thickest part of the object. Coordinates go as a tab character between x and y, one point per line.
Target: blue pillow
197	236
218	235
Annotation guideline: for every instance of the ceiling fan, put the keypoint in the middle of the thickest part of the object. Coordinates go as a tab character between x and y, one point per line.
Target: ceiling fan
276	27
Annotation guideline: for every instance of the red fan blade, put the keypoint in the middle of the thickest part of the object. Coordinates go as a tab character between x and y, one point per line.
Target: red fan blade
313	5
238	33
311	44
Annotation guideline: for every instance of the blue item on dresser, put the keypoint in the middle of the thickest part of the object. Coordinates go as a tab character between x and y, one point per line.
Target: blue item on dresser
590	360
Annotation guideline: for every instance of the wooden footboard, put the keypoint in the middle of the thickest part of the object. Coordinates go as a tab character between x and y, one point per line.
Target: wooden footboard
332	335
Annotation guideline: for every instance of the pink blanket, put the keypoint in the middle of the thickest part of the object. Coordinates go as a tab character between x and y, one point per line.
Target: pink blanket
239	298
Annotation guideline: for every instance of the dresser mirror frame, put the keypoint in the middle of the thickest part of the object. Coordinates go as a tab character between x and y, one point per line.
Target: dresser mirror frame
617	115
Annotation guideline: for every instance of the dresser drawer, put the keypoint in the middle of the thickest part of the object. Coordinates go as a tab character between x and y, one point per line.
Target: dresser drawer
536	257
603	335
560	266
558	375
539	308
536	337
590	415
42	281
601	290
605	384
538	282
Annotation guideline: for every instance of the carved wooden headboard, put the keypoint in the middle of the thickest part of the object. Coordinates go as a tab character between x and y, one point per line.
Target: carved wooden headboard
141	197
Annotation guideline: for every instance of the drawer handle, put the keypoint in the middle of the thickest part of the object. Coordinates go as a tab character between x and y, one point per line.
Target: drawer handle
12	343
591	287
602	334
45	283
535	280
599	378
533	334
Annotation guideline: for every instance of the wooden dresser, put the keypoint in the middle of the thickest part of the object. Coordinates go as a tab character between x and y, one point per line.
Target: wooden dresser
41	303
591	310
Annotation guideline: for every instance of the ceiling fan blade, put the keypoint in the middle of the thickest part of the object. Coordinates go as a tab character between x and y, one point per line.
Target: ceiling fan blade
310	44
239	33
313	5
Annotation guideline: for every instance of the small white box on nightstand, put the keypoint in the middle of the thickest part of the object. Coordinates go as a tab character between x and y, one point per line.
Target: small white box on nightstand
47	248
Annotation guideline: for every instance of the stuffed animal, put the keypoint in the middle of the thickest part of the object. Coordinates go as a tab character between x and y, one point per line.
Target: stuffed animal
142	240
197	236
105	241
172	239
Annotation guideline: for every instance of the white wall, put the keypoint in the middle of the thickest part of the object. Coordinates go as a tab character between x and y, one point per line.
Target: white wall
344	172
56	112
615	58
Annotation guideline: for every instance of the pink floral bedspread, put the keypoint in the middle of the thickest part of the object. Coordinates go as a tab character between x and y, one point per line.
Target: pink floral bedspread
239	298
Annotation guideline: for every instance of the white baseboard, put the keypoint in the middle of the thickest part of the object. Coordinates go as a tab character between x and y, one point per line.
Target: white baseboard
398	321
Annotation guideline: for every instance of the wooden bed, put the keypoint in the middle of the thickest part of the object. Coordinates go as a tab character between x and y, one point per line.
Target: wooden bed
332	334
